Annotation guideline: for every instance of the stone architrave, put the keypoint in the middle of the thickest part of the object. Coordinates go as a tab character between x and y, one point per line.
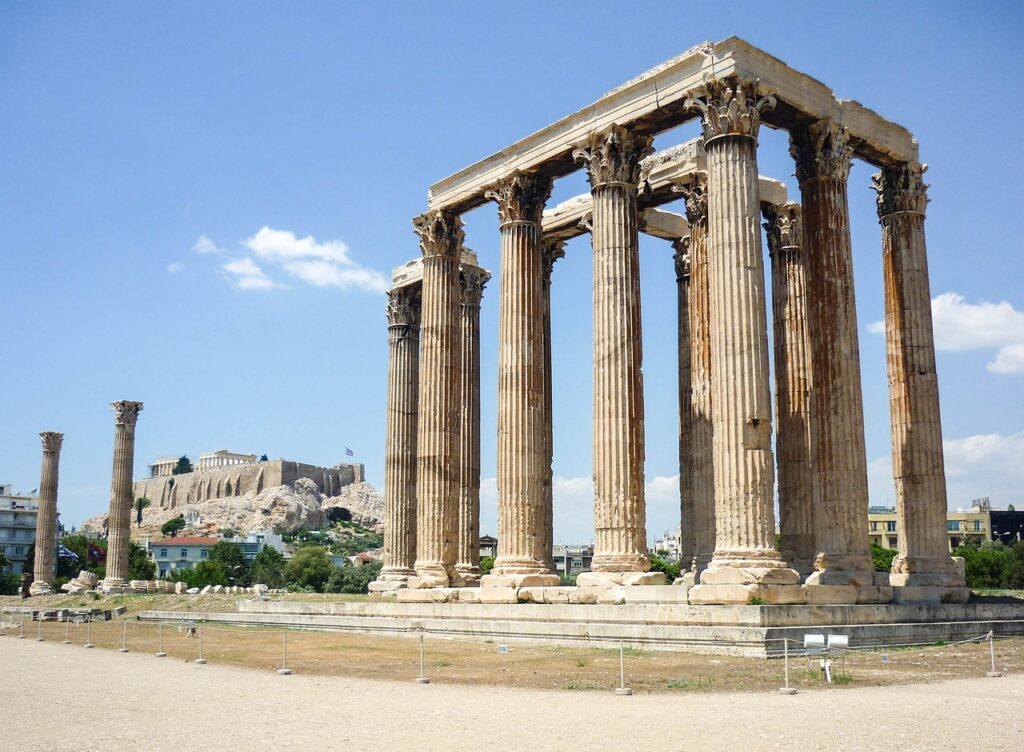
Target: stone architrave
701	477
119	518
552	251
612	157
681	259
918	465
792	385
823	157
467	559
745	564
403	313
438	433
521	556
46	520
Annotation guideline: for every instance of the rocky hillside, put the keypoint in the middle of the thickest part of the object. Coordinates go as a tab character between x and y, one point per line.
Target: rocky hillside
285	508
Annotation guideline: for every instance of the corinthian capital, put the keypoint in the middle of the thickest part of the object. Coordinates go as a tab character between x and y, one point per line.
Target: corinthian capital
730	107
551	251
473	281
404	306
614	155
821	150
126	412
901	188
681	257
783	226
520	196
440	233
695	194
52	441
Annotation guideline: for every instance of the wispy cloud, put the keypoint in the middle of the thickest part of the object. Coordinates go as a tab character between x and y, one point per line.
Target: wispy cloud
175	267
326	264
246	274
204	245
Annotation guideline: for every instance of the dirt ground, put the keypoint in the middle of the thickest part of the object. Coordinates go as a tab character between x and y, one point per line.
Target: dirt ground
58	697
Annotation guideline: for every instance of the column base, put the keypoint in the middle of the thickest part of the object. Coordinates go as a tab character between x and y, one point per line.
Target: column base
430	576
40	588
468	575
112	583
749	567
842	569
539	578
751	594
620	563
619	579
932	571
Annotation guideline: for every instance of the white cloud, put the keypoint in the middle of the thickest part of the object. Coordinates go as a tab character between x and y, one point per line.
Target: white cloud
324	264
960	325
245	274
204	245
175	267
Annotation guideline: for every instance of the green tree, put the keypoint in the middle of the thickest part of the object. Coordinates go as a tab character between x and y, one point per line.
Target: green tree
486	564
264	458
670	569
202	574
172	526
227	488
140	566
987	566
8	582
231	557
310	567
140	503
882	557
184	465
353	579
268	568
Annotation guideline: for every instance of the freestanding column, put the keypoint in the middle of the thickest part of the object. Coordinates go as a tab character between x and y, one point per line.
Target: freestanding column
823	156
917	461
46	520
681	257
745	564
119	519
620	549
474	279
553	250
792	385
521	557
400	451
701	480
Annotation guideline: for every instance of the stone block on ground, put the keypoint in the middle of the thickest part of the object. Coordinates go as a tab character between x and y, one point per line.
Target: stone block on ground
493	594
656	594
427	595
831	595
206	590
874	594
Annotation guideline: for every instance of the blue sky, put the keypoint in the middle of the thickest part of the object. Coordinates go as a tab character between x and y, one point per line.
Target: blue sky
201	203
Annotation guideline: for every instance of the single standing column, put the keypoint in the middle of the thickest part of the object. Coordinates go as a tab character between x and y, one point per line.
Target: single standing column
620	549
46	519
792	385
521	557
917	460
400	450
438	473
474	279
701	464
119	519
552	251
823	155
681	257
745	564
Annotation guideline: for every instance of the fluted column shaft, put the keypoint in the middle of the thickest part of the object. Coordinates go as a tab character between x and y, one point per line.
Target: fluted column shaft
467	557
119	519
917	459
683	347
440	401
792	386
823	159
400	450
553	250
46	519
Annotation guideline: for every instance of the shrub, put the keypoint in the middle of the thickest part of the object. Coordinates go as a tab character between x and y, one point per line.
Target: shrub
486	565
352	579
670	569
882	557
310	567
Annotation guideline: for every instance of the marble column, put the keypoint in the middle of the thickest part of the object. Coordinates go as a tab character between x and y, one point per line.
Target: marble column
792	385
552	251
438	473
119	519
521	556
918	465
745	564
681	257
403	313
46	520
701	480
823	157
613	159
473	281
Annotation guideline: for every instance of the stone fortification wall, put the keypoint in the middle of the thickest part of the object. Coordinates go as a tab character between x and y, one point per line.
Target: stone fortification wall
173	491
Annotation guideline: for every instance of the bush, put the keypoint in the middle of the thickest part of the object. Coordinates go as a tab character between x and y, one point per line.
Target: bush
268	568
202	574
352	579
670	569
882	557
10	584
987	566
486	565
310	567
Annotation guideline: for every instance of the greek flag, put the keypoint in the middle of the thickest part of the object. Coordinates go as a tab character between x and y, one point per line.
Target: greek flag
349	452
65	553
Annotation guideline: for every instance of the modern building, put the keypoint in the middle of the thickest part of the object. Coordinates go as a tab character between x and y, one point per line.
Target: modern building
180	553
963	526
572	560
253	543
17	527
669	544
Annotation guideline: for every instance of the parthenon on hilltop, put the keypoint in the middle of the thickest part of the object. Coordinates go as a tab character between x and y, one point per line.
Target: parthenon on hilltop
728	451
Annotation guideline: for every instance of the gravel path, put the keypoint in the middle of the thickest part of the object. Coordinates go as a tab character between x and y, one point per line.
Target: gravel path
143	703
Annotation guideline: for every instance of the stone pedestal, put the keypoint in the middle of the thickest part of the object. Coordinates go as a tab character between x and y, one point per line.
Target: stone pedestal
620	548
46	520
521	558
400	450
440	401
745	565
119	519
923	559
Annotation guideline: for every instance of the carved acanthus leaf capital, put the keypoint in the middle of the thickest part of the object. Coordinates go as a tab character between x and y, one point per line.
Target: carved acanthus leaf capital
901	188
520	196
730	107
126	412
783	225
614	155
52	441
550	253
473	280
821	150
440	233
681	257
586	222
404	306
695	194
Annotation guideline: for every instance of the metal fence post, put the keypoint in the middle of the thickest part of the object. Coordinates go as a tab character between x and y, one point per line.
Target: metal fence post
88	631
124	638
200	660
786	689
284	670
622	689
421	679
992	674
67	629
160	637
